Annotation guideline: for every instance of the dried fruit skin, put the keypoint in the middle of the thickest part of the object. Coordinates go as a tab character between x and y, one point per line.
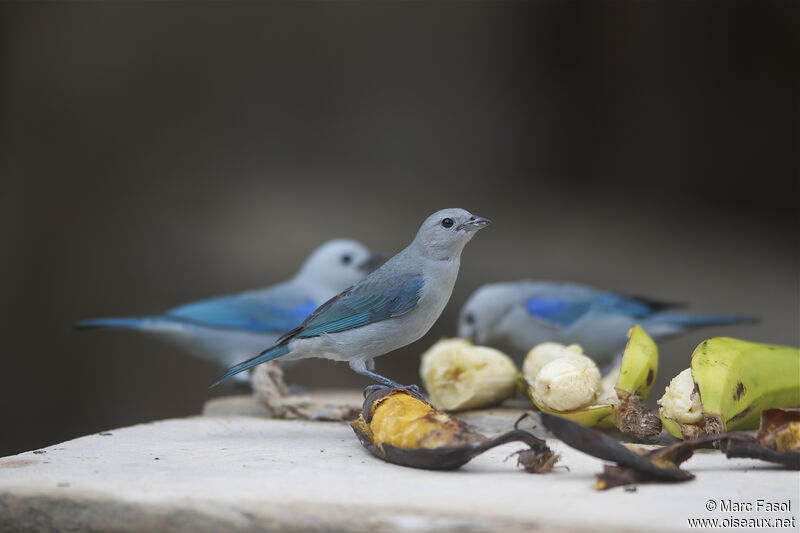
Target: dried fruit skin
780	429
633	417
661	464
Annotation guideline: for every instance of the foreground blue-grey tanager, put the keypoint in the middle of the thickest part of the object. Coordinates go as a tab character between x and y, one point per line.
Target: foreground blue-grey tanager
229	328
521	314
392	307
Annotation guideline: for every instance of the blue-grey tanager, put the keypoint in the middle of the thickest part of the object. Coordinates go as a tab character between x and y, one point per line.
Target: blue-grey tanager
520	314
392	307
229	328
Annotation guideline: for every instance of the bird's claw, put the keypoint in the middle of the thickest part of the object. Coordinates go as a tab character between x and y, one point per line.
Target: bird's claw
413	390
372	388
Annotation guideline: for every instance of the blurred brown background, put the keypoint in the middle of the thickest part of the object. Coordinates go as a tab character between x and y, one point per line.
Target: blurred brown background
155	153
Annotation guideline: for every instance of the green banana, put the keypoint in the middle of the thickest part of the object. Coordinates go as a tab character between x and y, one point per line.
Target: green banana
733	381
637	374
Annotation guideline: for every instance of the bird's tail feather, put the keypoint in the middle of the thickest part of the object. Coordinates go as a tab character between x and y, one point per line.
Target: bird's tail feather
689	320
263	357
132	322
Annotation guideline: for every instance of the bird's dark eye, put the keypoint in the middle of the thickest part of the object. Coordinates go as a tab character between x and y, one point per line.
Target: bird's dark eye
469	319
346	259
447	223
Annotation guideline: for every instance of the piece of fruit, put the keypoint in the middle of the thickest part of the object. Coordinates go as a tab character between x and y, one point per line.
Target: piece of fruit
403	429
543	353
567	383
459	375
780	429
623	407
638	465
660	464
733	381
681	401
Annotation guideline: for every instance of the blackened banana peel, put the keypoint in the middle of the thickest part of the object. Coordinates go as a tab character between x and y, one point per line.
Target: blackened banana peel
778	439
631	467
778	442
400	428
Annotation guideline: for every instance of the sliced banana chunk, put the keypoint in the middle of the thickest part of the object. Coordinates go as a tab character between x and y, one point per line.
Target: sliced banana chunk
568	383
460	375
543	353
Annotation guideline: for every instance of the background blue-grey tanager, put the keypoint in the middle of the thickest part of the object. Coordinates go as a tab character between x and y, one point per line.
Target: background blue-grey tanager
229	328
518	315
392	307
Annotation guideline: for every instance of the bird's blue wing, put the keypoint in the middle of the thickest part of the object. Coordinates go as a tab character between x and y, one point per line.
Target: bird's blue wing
363	304
560	312
565	311
245	313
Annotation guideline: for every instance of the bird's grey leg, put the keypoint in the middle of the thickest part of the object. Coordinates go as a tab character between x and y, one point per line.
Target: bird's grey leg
362	367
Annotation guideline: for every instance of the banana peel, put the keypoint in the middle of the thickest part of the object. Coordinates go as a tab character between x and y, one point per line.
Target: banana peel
780	429
628	413
736	380
661	464
403	429
778	439
778	442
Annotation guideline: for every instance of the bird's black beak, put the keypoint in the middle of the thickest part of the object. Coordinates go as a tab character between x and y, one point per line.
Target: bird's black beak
372	262
474	223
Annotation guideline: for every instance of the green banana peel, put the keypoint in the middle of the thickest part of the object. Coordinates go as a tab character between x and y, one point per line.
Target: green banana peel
736	380
638	370
673	427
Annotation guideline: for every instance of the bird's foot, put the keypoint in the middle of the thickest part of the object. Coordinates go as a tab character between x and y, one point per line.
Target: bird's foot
372	388
413	390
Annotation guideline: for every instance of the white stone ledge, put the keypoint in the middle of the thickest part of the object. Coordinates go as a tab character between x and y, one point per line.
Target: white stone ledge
252	474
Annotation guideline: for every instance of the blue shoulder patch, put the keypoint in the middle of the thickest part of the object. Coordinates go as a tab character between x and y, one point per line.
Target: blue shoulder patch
557	311
565	313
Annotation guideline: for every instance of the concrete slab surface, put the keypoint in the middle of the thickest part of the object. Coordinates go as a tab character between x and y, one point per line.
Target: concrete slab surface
234	473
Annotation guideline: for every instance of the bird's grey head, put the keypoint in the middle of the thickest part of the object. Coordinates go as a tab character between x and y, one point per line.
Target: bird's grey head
339	264
484	309
444	233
